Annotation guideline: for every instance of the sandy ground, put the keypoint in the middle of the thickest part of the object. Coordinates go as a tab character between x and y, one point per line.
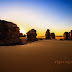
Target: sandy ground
39	56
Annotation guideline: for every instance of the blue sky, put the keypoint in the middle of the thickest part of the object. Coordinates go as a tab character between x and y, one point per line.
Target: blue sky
39	14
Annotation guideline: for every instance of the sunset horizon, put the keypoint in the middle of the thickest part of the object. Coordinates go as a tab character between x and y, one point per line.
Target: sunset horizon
40	15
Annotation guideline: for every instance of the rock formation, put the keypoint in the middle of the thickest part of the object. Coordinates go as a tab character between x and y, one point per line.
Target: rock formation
9	33
71	34
66	36
47	34
52	36
21	34
31	35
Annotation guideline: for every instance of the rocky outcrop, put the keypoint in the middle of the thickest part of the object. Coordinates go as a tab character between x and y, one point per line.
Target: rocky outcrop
22	35
31	35
52	36
47	35
9	33
66	36
71	34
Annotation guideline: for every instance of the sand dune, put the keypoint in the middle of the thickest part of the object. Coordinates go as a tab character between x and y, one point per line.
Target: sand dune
39	56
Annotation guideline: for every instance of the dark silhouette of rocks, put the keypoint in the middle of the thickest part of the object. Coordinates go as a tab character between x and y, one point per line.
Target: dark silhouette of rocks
47	35
52	36
9	33
61	39
24	35
66	36
20	34
40	39
31	35
71	35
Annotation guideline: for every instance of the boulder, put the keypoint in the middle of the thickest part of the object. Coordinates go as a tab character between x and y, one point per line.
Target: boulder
52	36
9	33
31	35
66	36
71	34
47	34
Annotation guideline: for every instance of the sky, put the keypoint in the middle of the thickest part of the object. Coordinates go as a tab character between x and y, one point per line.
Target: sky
40	15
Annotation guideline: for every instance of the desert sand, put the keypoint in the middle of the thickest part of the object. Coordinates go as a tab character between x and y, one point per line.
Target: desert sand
39	56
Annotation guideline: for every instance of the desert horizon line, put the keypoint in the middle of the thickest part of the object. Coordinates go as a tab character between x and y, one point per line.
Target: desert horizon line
10	34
